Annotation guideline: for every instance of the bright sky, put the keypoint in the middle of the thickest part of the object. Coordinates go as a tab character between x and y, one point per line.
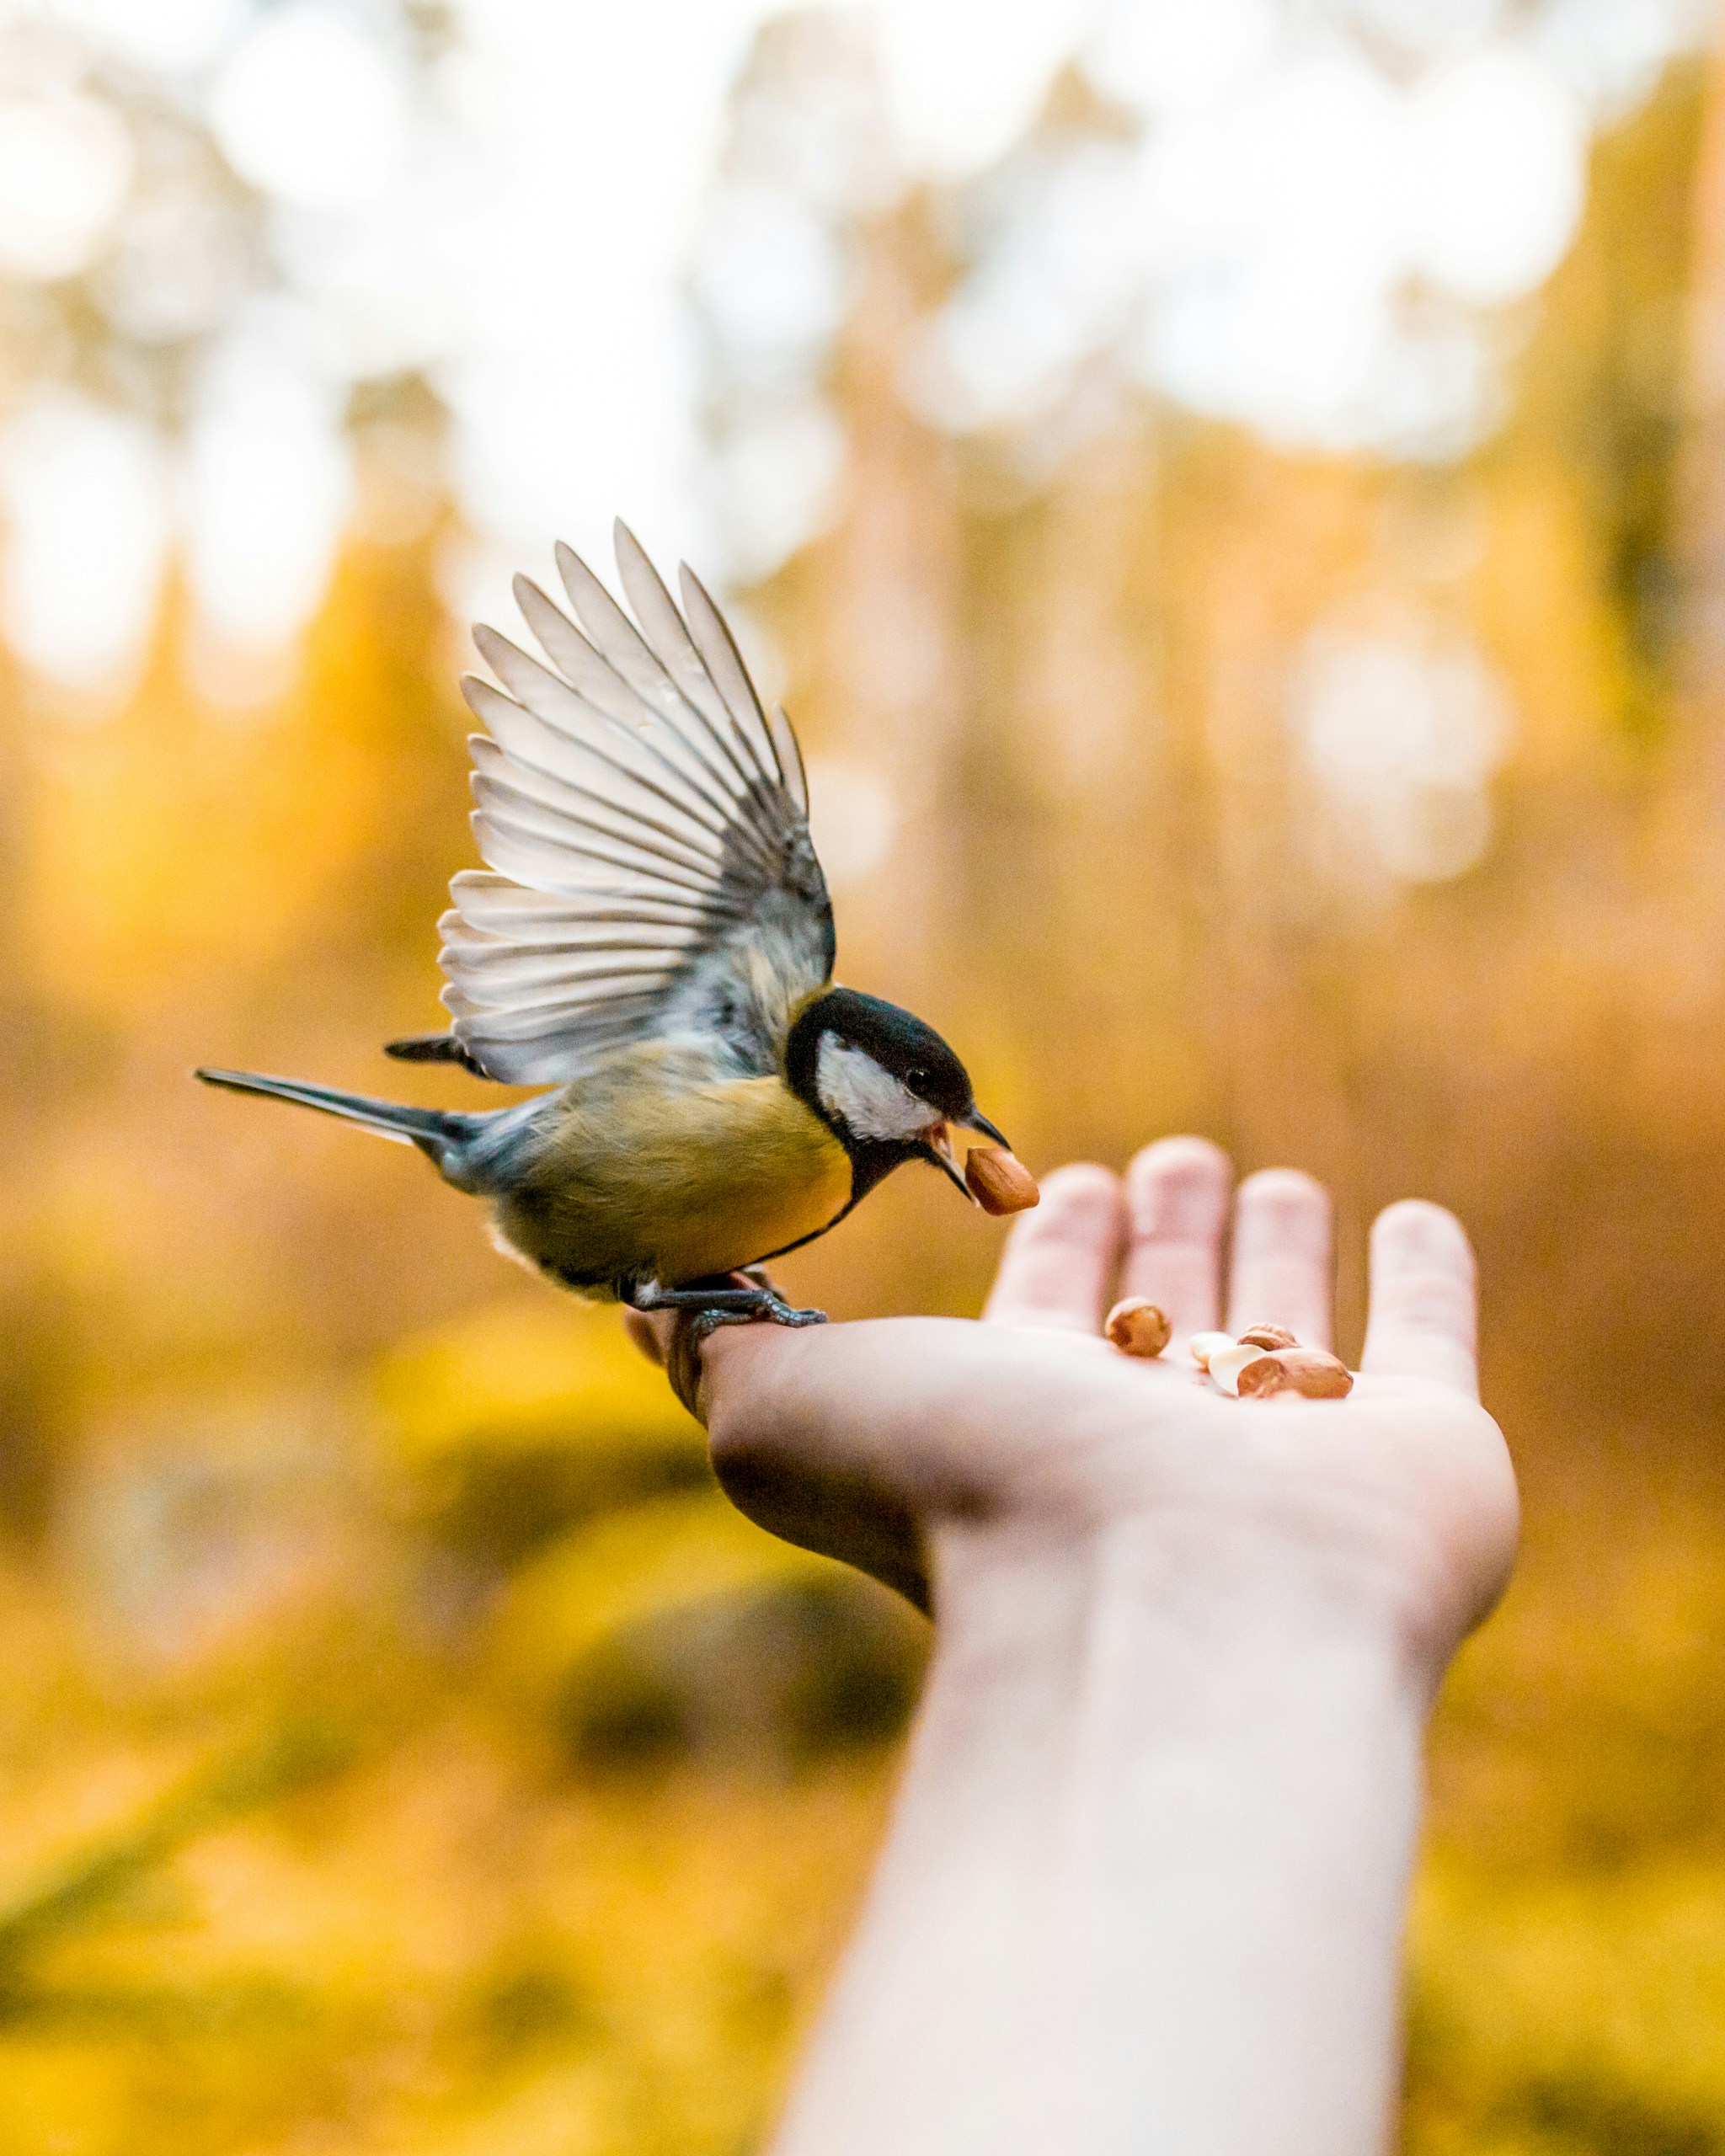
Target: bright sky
525	229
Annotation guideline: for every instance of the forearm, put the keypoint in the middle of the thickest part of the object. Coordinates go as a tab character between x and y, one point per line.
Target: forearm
1144	1885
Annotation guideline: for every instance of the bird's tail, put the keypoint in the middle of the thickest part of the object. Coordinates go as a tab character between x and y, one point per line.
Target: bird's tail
437	1132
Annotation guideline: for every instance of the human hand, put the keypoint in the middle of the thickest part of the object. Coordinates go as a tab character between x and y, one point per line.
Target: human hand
916	1447
1145	1883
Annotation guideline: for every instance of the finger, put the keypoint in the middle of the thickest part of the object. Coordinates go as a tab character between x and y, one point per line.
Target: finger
1177	1204
1281	1270
800	1437
1423	1320
1059	1262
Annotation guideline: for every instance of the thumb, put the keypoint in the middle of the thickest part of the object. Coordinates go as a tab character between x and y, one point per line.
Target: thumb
794	1436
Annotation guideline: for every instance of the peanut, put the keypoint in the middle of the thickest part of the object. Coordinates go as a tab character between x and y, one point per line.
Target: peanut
1138	1327
1228	1365
999	1182
1308	1372
1267	1337
1203	1345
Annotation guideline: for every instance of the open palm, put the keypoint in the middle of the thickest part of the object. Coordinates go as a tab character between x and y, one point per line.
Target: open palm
895	1443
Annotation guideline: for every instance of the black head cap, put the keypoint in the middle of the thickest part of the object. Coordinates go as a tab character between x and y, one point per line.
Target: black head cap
893	1040
885	1082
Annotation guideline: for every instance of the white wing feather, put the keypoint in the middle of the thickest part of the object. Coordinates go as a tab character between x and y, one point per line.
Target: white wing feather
645	824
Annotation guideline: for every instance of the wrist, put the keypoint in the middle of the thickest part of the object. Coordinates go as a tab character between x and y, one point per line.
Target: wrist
1148	1863
1196	1587
1089	1664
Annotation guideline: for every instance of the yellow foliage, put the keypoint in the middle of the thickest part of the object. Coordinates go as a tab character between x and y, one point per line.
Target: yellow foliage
518	1375
652	1562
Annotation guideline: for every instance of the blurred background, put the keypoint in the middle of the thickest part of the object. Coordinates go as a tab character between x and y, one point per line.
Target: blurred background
1233	497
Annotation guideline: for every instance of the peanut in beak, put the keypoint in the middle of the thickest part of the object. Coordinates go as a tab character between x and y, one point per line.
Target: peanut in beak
999	1181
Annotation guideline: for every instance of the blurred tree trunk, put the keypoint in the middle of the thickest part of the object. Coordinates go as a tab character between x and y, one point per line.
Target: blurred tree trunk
1702	530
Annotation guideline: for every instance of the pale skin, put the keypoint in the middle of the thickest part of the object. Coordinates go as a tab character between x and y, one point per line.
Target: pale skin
1144	1882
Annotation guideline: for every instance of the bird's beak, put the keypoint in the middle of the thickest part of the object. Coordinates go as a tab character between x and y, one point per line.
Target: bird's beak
977	1121
945	1156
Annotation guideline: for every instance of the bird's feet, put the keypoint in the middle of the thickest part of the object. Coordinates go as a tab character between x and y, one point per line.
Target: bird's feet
700	1308
744	1298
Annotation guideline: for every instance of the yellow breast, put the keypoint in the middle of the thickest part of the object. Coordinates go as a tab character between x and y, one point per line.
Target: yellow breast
644	1178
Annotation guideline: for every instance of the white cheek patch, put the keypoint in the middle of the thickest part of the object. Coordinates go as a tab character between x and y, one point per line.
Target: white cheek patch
869	1101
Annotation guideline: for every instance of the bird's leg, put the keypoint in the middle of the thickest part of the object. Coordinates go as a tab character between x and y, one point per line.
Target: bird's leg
744	1298
700	1307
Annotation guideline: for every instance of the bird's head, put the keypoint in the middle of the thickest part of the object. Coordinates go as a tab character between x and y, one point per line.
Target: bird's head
885	1082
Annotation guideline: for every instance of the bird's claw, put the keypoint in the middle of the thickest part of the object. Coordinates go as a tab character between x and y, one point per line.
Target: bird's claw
756	1302
698	1327
775	1310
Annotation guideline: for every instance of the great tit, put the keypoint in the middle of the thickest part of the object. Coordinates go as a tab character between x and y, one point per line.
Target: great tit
654	939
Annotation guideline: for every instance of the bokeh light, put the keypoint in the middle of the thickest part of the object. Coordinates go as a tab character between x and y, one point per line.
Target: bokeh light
311	110
1405	732
86	537
65	165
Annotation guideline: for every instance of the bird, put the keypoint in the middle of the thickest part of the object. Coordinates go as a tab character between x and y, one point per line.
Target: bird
652	939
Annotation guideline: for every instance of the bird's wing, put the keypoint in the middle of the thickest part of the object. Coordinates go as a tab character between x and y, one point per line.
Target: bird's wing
646	827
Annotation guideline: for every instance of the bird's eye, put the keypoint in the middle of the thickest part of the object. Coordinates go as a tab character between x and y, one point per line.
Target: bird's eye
915	1080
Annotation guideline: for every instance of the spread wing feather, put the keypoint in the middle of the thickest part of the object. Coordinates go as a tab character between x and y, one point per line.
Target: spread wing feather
726	672
644	825
790	758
